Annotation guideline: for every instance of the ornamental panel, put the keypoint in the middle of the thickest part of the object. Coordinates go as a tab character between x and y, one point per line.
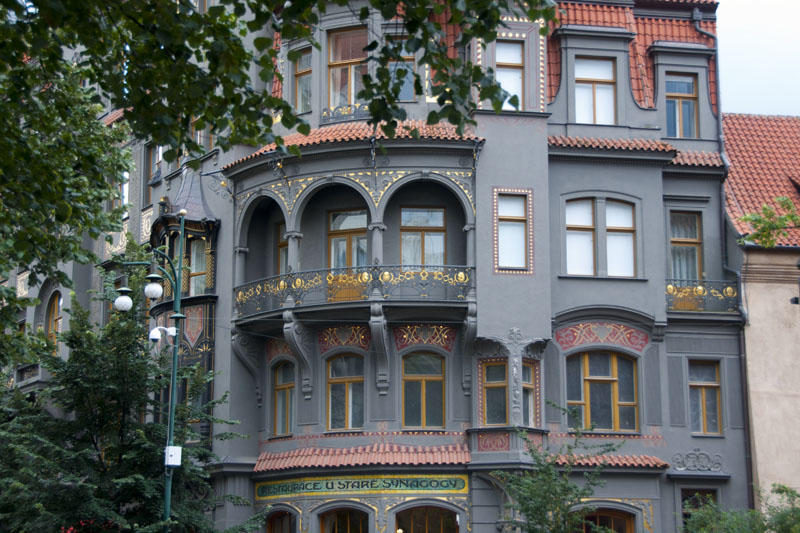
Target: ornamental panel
601	332
355	336
411	335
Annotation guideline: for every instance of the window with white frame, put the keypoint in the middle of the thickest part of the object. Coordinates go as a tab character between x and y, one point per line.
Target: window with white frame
607	224
512	231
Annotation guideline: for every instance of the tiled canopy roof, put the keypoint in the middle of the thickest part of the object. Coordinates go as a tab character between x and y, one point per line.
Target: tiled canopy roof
113	117
647	30
618	461
373	454
646	145
695	158
764	153
361	131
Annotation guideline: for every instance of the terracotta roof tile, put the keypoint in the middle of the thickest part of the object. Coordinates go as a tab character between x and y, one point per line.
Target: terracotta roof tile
113	117
764	154
372	454
277	84
361	131
646	30
696	158
619	461
647	145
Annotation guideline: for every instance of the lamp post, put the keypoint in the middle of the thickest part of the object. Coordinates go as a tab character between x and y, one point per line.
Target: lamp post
154	290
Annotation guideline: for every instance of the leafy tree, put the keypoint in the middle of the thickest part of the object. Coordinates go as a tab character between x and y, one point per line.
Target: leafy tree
781	514
772	223
85	454
548	494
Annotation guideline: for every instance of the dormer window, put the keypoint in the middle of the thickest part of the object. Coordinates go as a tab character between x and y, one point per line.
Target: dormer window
595	91
346	66
681	105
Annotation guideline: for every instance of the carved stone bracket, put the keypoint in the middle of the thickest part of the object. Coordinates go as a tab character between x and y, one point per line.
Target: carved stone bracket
467	340
296	336
245	350
381	343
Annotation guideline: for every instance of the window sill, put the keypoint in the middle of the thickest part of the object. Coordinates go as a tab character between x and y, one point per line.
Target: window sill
708	435
604	278
274	438
343	432
610	434
426	430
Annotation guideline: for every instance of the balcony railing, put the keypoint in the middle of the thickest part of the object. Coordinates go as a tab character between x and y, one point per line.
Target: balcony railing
702	295
443	283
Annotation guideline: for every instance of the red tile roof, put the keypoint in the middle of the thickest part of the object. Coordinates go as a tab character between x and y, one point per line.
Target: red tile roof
697	158
277	84
764	154
361	131
113	117
646	30
619	461
372	454
645	145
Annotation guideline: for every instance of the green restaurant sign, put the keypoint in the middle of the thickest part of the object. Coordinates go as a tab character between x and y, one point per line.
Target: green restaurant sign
319	486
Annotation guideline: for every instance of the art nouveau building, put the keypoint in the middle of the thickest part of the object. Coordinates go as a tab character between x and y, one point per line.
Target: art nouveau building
387	313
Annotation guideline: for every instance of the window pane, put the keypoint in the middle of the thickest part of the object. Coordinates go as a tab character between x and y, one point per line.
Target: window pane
599	364
672	118
348	45
304	61
348	220
283	260
339	252
575	379
683	225
349	366
357	404
357	82
687	115
508	52
527	407
577	420
604	102
600	405
712	411
580	253
285	374
198	255
584	103
412	400
579	213
680	84
706	373
280	411
337	405
684	262
340	90
495	373
496	405
405	72
359	244
619	215
197	285
626	380
619	254
511	244
510	79
434	402
411	248
417	216
627	417
434	248
527	374
511	206
594	69
695	409
423	364
304	94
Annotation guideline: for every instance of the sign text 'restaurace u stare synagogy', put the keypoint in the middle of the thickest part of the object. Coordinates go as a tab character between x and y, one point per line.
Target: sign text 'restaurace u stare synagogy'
362	485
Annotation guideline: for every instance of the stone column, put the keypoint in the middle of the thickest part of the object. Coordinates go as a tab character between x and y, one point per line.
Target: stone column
241	261
293	249
377	228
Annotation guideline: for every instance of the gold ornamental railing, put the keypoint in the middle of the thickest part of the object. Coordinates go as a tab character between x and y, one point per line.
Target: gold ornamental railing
702	295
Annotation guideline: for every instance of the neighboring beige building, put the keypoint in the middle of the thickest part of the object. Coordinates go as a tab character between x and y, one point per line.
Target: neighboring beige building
764	154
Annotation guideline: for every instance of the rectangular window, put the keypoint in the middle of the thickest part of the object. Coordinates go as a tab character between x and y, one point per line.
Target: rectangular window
202	136
197	266
122	191
580	237
512	231
422	236
585	233
283	250
595	91
529	405
602	392
686	245
283	402
153	154
704	397
347	238
302	82
510	70
681	92
423	391
346	392
620	239
692	499
404	72
346	66
495	394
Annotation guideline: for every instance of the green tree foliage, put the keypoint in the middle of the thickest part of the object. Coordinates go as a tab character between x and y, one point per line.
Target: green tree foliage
549	494
771	223
781	514
86	454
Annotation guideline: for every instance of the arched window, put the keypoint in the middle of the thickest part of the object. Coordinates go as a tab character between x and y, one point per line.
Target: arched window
616	521
53	319
423	390
283	398
344	521
427	520
601	386
346	392
280	522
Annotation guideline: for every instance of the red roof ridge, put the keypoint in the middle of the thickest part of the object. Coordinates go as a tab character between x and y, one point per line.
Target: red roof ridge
650	145
613	460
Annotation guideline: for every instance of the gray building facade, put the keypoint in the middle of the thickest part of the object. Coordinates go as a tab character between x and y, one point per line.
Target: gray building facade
386	314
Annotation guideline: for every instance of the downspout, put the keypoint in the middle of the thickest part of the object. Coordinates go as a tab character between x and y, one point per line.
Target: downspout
697	16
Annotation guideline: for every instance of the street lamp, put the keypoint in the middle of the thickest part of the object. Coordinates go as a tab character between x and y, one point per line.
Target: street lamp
154	290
